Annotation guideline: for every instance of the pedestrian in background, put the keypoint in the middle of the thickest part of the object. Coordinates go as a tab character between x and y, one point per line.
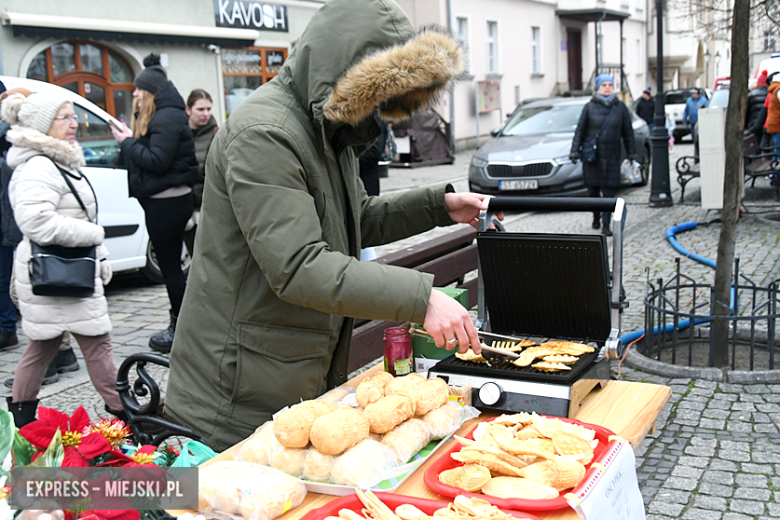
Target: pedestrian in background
54	204
691	116
670	126
605	120
204	128
645	108
65	360
372	168
162	168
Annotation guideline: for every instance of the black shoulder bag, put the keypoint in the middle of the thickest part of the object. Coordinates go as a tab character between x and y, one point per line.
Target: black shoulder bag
588	151
64	271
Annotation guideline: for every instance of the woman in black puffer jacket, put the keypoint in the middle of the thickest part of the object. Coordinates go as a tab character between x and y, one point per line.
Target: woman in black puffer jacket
602	176
162	168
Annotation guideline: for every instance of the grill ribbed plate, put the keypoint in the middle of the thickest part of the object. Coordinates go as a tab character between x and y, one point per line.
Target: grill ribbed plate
540	169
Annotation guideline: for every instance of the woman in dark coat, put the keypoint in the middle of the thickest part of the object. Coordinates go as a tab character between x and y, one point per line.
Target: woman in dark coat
602	176
162	168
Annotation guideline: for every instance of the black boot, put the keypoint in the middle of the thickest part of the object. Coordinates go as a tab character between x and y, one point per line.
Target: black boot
50	377
65	361
607	218
596	221
162	341
24	412
8	339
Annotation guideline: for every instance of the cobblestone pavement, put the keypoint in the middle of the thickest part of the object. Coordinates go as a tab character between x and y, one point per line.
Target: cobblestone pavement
716	451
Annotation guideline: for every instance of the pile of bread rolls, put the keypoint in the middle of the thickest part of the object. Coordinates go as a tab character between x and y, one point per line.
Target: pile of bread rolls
323	442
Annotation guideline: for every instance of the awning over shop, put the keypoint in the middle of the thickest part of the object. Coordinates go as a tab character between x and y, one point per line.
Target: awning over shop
592	15
46	26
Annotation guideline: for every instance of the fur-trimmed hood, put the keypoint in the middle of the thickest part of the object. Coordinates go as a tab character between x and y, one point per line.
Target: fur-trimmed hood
28	143
375	61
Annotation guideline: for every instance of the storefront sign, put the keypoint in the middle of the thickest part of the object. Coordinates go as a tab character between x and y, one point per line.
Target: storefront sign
244	14
612	493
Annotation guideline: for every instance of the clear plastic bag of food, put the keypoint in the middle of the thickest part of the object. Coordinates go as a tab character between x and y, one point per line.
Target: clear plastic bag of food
259	446
240	490
447	419
363	465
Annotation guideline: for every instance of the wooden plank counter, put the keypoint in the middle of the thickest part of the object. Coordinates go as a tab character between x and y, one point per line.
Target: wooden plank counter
629	409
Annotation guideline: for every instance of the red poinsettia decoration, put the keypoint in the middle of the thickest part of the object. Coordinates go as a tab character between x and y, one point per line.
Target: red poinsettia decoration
79	447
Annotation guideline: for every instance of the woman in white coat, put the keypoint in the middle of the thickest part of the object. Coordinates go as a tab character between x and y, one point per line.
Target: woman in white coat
44	150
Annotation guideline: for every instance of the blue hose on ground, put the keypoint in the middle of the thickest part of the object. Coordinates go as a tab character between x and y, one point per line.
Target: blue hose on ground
671	233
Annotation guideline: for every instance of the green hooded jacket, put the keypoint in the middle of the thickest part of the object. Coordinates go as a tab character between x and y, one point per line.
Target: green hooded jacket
276	279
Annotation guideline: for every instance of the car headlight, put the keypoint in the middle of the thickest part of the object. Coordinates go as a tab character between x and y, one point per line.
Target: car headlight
479	162
562	160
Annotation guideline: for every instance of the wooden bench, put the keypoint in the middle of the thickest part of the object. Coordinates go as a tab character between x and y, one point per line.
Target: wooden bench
449	258
757	162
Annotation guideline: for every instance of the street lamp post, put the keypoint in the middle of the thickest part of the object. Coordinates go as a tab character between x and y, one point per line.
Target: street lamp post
717	60
707	68
660	191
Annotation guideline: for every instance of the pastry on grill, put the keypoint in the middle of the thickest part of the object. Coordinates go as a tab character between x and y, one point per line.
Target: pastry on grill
547	366
514	487
470	477
529	355
568	347
513	346
471	357
566	359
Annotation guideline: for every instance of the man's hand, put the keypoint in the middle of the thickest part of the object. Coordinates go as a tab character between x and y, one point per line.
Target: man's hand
465	207
574	157
450	324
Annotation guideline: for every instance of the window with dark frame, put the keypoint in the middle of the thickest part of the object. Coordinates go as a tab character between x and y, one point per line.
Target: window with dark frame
93	71
246	69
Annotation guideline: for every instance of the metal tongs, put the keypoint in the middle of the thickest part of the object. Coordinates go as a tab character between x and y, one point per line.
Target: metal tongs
498	354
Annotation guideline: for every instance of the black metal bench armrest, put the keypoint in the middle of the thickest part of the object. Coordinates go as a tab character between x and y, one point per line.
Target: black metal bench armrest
684	165
146	420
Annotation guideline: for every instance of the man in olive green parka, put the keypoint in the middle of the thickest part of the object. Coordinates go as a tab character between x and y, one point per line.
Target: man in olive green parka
276	280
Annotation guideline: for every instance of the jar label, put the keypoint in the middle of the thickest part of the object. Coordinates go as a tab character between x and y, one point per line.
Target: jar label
403	366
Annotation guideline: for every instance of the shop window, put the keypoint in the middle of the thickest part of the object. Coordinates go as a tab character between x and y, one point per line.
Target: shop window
246	69
90	70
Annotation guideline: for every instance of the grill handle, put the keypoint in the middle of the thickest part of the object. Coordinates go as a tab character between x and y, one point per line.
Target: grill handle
504	203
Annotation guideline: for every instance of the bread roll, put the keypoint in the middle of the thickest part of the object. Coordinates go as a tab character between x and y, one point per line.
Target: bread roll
388	412
362	464
432	394
292	426
335	395
444	420
339	430
316	466
259	446
407	438
383	377
404	384
288	460
216	491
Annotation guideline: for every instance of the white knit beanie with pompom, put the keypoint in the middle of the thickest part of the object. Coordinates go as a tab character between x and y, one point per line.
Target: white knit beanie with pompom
36	111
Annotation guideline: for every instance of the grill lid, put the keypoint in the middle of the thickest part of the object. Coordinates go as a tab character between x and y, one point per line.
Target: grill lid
546	285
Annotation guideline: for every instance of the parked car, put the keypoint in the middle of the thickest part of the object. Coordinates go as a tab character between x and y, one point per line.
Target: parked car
122	216
675	107
529	155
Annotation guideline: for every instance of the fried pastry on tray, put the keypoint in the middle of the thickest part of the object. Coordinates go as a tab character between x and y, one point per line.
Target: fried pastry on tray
547	366
515	487
491	462
560	473
572	445
470	477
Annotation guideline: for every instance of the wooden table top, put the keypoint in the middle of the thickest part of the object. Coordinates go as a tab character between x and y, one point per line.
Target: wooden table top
629	409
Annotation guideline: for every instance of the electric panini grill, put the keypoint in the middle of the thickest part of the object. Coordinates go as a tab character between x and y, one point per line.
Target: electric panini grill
544	287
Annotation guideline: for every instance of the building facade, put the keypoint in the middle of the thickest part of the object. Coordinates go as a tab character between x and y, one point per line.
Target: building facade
226	47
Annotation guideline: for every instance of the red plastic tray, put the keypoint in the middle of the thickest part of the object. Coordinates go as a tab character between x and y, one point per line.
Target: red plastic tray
445	462
392	501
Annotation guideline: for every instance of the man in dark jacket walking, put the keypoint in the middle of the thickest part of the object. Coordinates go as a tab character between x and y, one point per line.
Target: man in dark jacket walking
645	108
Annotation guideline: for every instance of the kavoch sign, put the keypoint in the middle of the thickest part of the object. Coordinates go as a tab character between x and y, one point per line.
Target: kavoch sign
244	14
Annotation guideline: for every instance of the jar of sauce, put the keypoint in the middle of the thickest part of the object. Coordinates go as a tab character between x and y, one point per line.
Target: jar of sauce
398	351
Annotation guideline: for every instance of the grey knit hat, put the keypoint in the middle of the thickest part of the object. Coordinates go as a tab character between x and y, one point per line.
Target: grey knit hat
153	78
37	111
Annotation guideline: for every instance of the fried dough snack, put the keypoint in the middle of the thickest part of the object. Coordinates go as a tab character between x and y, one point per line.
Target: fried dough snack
550	367
470	477
572	445
372	389
566	359
560	473
443	420
513	487
292	427
337	431
433	393
288	460
568	347
471	357
388	412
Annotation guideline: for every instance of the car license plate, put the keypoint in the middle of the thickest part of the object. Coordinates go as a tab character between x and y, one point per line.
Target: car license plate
526	184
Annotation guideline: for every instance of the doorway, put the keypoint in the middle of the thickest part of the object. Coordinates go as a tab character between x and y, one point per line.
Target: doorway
574	55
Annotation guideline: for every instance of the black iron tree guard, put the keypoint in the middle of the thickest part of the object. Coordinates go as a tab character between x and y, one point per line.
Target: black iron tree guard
660	192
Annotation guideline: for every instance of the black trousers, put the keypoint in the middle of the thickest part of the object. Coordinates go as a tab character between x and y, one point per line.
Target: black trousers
165	221
601	191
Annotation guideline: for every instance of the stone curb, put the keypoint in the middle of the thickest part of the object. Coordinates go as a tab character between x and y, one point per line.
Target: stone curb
638	361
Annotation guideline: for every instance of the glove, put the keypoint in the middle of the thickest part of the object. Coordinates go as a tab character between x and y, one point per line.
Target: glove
105	271
574	157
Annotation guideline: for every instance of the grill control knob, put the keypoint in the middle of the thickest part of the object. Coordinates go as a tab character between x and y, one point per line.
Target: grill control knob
490	393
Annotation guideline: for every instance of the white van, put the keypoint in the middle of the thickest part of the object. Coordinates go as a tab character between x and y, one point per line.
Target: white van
122	216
